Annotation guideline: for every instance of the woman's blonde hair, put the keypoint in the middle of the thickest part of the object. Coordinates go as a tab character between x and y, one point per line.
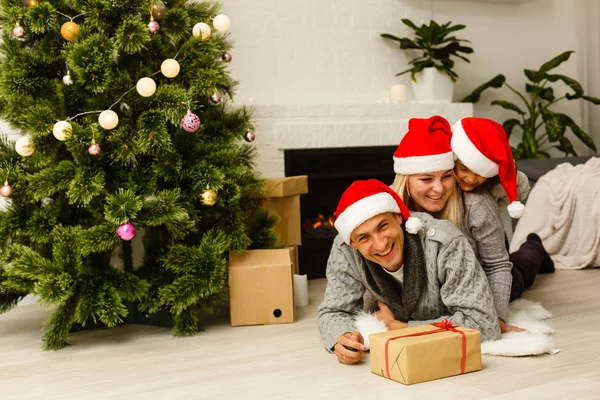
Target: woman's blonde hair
452	210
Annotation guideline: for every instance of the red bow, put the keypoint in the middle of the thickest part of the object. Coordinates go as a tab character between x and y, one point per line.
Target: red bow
443	325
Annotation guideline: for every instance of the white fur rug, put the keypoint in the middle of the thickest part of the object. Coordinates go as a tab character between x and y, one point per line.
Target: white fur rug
535	341
522	313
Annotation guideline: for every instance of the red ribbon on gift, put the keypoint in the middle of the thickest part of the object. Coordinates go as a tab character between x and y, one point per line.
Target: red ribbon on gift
443	325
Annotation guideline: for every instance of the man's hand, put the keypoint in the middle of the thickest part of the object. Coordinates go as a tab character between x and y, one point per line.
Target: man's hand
385	314
350	347
504	327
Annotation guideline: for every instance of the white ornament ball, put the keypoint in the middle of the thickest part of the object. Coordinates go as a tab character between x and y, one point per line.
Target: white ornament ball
221	23
201	30
146	87
67	80
169	68
108	119
24	146
62	130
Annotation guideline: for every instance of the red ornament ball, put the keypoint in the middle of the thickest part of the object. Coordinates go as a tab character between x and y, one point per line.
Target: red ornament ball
190	122
126	231
249	136
153	26
227	56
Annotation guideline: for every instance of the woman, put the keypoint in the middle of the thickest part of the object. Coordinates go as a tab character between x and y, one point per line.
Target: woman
428	186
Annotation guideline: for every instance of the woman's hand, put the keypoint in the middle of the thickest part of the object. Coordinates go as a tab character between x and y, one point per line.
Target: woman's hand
385	314
504	327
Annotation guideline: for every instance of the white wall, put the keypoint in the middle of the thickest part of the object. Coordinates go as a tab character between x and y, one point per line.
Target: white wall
330	51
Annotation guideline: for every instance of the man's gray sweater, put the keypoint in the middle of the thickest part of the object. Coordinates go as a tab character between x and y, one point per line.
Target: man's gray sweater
442	279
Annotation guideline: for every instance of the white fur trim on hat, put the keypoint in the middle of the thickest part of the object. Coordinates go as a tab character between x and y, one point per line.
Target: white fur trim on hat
413	225
469	155
423	164
362	210
368	324
516	209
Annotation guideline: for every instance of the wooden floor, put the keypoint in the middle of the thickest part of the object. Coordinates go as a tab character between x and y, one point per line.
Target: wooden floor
288	361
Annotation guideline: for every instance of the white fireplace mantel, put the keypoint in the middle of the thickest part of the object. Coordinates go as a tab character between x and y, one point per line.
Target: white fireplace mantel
283	127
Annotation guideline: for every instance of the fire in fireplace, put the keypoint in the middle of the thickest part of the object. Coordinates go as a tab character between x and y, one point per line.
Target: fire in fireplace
330	172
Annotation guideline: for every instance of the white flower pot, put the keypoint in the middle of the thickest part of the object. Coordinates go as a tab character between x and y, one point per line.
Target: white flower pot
432	86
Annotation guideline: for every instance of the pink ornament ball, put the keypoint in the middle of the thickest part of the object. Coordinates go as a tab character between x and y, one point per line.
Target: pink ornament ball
249	136
190	122
19	31
227	56
126	231
153	26
94	149
216	98
5	190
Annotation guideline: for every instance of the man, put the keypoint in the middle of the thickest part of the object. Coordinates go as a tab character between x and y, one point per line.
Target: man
424	276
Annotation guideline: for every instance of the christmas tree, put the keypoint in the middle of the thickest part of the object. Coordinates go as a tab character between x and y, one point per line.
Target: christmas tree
127	130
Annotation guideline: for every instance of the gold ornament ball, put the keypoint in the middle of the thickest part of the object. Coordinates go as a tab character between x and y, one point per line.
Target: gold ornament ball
221	23
24	146
208	197
108	119
62	130
69	30
159	10
29	3
201	30
146	87
169	68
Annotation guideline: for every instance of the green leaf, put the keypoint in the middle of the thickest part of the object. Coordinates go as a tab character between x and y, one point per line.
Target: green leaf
532	75
594	100
581	135
507	105
566	147
555	128
475	95
555	62
410	24
509	125
572	83
587	140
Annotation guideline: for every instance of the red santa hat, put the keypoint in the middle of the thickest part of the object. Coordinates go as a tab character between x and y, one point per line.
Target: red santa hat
425	147
482	146
366	199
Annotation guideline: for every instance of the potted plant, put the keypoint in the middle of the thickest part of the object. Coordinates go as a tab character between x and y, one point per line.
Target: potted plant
543	127
432	71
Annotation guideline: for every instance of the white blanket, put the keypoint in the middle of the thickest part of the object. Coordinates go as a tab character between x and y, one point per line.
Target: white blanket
563	208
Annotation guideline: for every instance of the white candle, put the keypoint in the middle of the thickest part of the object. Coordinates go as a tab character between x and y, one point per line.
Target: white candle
398	93
300	290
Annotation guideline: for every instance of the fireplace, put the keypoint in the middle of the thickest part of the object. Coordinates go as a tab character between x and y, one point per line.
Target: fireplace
330	171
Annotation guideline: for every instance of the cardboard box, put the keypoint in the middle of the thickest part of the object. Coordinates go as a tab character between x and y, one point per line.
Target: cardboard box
424	353
285	187
261	287
294	257
282	198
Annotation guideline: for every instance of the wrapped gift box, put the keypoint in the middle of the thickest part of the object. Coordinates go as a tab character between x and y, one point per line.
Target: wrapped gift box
426	352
